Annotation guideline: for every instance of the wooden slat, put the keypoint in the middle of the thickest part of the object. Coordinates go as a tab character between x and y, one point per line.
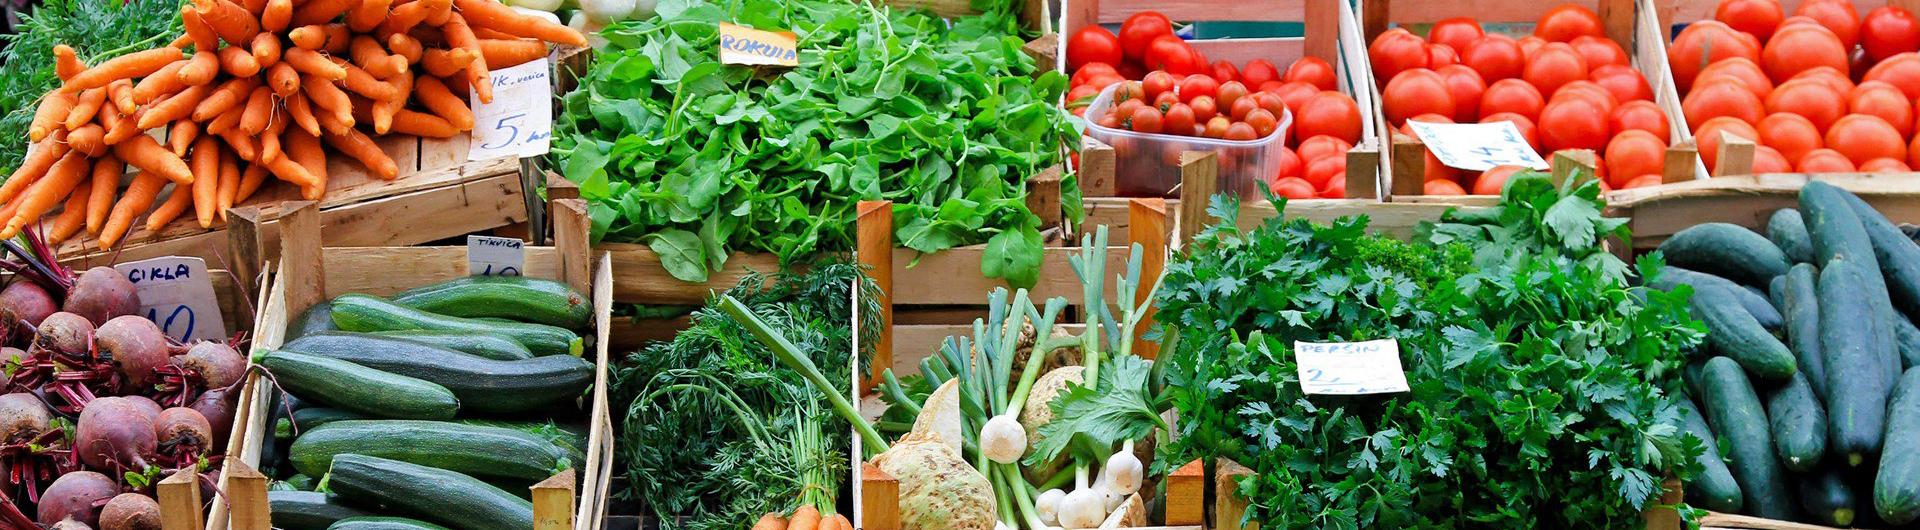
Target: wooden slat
1397	219
1199	179
1115	11
553	502
571	240
1229	507
874	249
639	278
1147	227
1747	200
384	271
879	499
300	255
1187	494
952	277
1096	168
179	497
247	490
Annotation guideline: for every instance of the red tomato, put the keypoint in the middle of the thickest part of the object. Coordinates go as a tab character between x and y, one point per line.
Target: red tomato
1175	56
1092	44
1290	164
1090	71
1439	55
1293	188
1798	47
1837	15
1082	92
1140	30
1600	51
1825	161
1316	148
1632	154
1328	114
1722	98
1887	31
1495	57
1524	124
1901	70
1767	160
1590	91
1258	72
1789	134
1394	51
1706	42
1199	85
1166	100
1415	92
1465	86
1817	101
1240	108
1530	44
1641	182
1512	95
1314	71
1336	187
1156	83
1739	69
1861	138
1456	32
1572	124
1707	137
1263	122
1563	23
1493	181
1554	65
1883	165
1228	93
1756	17
1178	120
1443	187
1145	119
1216	127
1204	108
1328	171
1273	86
1270	102
1886	101
1640	115
1241	132
1224	71
1625	83
1294	94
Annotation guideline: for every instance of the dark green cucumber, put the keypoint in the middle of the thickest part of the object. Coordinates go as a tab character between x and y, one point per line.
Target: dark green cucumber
1895	253
484	385
384	523
1777	290
350	386
311	418
1714	488
436	495
1801	307
316	318
1826	497
1734	332
1909	339
1831	224
489	345
1856	383
1799	424
469	449
1789	232
359	312
1727	250
1763	310
515	297
1896	488
308	510
1735	412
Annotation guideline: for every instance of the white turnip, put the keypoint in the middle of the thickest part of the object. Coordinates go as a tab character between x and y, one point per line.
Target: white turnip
74	495
213	364
1002	439
183	435
136	347
27	301
65	333
216	406
101	293
130	511
1084	507
115	434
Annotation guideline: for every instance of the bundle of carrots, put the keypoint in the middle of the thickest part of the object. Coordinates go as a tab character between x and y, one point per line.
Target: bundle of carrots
293	75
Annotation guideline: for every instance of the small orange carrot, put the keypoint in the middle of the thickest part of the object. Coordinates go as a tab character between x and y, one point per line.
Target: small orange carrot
180	136
805	518
206	179
233	23
254	6
229	184
333	123
277	15
321	11
250	181
85	108
363	83
312	37
506	53
405	16
138	198
66	63
433	94
226	121
238	62
121	94
405	46
180	43
338	38
89	139
422	124
368	14
48	191
168	211
369	55
302	114
120	128
325	96
495	15
283	80
357	145
229	96
266	49
141	151
201	68
136	64
243	145
446	63
179	106
202	36
285	168
313	64
770	521
490	33
106	180
73	217
259	108
270	138
840	521
461	36
51	114
153	87
383	110
38	161
306	151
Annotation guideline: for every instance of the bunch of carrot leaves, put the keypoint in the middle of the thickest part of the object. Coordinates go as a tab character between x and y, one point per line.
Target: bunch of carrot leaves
108	28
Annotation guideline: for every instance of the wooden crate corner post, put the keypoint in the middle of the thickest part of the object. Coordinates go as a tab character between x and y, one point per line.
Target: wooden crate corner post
180	504
1098	167
1407	175
874	249
1147	227
1043	196
1363	170
553	502
571	231
1199	180
1735	156
1228	507
1567	162
1186	502
246	490
301	265
879	499
1677	165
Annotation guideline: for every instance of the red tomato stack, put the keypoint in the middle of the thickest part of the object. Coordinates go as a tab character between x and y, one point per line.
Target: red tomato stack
1167	87
1566	86
1820	90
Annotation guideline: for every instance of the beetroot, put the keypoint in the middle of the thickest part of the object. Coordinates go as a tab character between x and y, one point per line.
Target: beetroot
217	407
101	293
15	358
69	524
130	511
23	417
147	406
73	495
115	435
184	436
214	364
27	301
65	333
137	347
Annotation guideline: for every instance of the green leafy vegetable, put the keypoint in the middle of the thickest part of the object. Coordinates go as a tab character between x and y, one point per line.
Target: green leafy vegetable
97	29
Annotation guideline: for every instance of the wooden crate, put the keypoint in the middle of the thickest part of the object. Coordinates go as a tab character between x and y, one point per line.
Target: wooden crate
1331	34
305	273
1634	24
1747	200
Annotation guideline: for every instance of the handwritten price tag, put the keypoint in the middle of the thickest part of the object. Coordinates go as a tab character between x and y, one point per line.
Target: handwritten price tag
744	45
1478	146
495	256
176	293
1350	368
519	121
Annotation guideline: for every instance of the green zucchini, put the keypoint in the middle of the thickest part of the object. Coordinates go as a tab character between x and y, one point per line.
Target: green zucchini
301	482
1799	425
1801	307
1856	385
350	386
1734	332
316	318
311	418
308	510
359	312
1759	306
1727	250
436	495
1789	232
1714	488
383	523
483	385
489	345
1734	411
515	297
1896	488
573	439
1827	498
469	449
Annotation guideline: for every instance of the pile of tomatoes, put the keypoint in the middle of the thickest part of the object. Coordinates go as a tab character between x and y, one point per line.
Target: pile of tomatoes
1566	86
1820	90
1168	87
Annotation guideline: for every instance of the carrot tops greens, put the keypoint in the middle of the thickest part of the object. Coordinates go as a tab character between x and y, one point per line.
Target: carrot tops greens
108	28
698	159
1478	441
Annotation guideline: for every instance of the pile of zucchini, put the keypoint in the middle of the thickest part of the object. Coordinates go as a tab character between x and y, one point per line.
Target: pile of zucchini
1806	394
433	409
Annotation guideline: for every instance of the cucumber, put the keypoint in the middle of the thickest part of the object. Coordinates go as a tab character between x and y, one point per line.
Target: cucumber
469	449
308	510
1727	250
515	297
1801	307
350	386
1831	224
1799	425
1734	410
434	495
359	312
1759	306
1734	333
383	523
489	345
1909	339
1826	497
316	318
1714	488
1896	488
1856	389
311	418
1777	290
1789	232
483	385
1896	254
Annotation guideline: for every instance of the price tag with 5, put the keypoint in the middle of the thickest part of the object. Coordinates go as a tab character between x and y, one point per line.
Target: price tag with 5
519	121
1350	368
1477	146
176	293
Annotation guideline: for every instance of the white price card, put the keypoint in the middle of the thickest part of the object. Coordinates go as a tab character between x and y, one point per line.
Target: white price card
1350	368
495	256
176	293
1478	146
519	121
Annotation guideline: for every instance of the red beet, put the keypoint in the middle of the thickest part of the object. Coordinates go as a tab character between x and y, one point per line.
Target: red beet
69	524
130	511
101	293
114	435
147	406
183	434
217	407
23	417
27	301
216	364
11	356
65	333
73	495
137	347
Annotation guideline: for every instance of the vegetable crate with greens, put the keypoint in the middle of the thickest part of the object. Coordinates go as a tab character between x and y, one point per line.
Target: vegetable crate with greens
1806	380
394	386
1657	213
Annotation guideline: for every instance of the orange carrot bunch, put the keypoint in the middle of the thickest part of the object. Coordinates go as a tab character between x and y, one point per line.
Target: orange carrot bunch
270	88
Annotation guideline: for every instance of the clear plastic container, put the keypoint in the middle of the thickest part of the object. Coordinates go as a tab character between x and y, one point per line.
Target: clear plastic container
1148	165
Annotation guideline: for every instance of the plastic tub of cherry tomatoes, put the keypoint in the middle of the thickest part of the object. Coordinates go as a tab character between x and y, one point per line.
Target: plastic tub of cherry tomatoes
1248	141
1583	75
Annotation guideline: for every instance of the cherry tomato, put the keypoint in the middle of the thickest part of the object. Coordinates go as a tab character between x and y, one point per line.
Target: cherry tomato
1230	92
1178	120
1092	44
1204	108
1241	132
1165	100
1129	90
1263	122
1139	32
1126	108
1272	103
1087	72
1175	56
1217	127
1240	108
1224	71
1258	72
1157	83
1199	85
1146	120
1111	120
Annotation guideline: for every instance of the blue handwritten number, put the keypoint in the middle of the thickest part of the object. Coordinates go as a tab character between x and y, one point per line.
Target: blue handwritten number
174	316
504	271
502	124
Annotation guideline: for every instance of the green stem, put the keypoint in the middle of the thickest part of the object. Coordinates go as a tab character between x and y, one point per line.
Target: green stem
1037	357
798	362
898	394
740	413
1022	497
1002	495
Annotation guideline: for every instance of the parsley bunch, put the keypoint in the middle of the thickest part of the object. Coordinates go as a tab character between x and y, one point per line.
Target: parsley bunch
1541	385
97	29
699	159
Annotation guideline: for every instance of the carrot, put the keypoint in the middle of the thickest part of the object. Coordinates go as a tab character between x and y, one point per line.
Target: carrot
238	62
405	46
370	56
405	16
138	198
276	16
257	7
233	23
421	124
461	36
229	96
181	135
383	110
121	94
66	63
840	520
201	68
266	49
771	521
805	518
250	181
179	106
328	97
446	63
363	83
433	94
285	168
120	128
333	123
311	37
127	66
229	184
106	180
495	15
168	211
163	82
180	43
85	107
38	161
51	114
437	16
203	37
48	191
270	138
490	33
283	80
302	114
206	179
141	151
506	53
226	122
258	110
368	14
357	145
338	38
89	139
321	11
73	217
313	64
306	151
243	145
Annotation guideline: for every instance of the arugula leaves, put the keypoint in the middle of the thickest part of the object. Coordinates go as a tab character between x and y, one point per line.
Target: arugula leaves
97	29
698	159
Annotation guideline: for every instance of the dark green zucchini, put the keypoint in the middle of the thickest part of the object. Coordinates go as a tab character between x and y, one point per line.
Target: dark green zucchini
1733	332
1799	424
515	297
1759	306
573	439
469	449
316	318
1827	498
384	523
489	345
350	386
1802	312
311	418
308	510
437	495
1726	250
1737	417
301	482
1789	232
1714	488
483	385
1896	488
359	312
1856	383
